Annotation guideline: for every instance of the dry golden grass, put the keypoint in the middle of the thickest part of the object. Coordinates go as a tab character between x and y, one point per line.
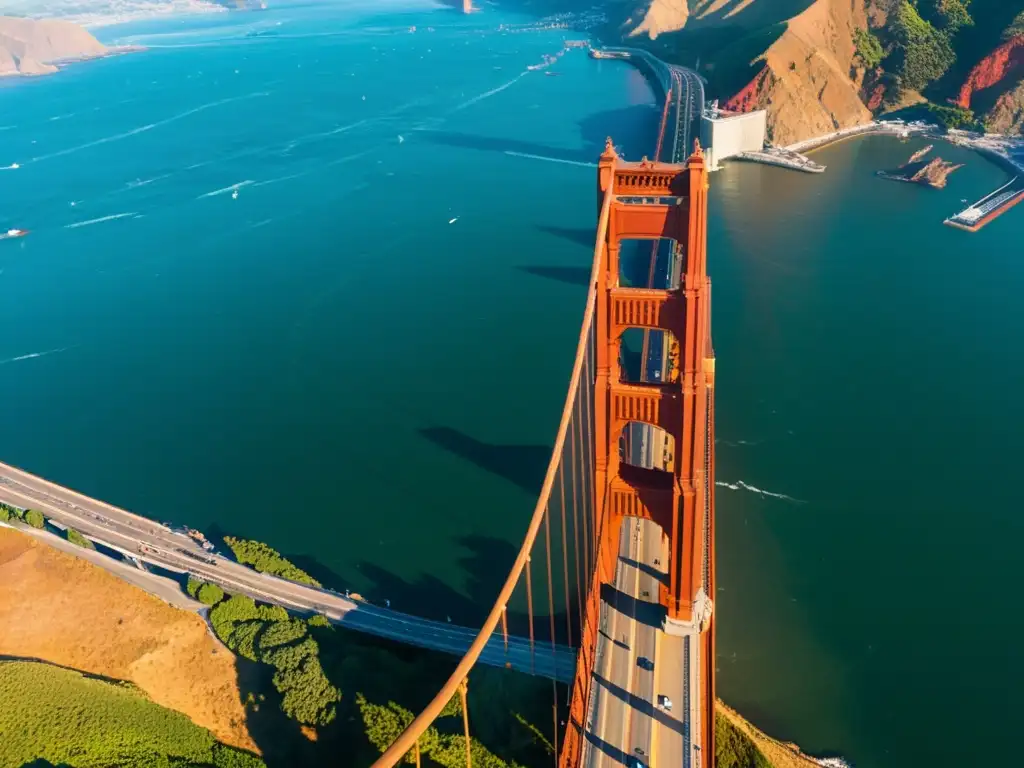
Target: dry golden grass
67	611
778	753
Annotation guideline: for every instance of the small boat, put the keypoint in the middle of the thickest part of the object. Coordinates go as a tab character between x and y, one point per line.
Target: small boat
16	233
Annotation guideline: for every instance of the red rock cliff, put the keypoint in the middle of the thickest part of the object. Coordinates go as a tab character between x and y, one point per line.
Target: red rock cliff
991	70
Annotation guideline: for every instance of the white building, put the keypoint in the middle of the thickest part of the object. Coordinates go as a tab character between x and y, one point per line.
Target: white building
727	134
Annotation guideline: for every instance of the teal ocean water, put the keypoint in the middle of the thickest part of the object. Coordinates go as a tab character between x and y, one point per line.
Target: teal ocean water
361	357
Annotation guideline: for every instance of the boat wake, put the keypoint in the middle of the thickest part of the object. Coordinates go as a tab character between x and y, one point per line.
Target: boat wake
150	126
551	159
100	220
492	92
33	355
739	485
225	190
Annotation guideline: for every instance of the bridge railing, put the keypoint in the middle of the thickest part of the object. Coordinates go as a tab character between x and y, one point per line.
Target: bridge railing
573	445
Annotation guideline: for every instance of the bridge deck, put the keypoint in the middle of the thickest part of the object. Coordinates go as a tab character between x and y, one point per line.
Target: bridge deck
637	664
145	540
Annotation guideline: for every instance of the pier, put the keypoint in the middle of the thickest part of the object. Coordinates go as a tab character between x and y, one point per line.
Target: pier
995	204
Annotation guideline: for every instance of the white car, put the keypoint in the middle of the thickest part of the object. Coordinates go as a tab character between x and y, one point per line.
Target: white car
665	703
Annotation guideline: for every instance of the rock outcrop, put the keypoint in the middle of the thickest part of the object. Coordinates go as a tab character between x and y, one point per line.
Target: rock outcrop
34	46
933	173
1004	61
805	83
1007	116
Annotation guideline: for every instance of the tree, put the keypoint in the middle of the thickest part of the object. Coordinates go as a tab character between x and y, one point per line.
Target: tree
210	594
8	513
869	48
225	756
243	639
1016	28
267	560
923	53
282	633
76	538
35	518
318	620
193	585
309	696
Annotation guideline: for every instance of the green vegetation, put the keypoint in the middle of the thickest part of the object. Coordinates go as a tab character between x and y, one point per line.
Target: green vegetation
267	560
76	538
953	15
954	117
869	48
35	518
318	620
384	723
733	749
268	635
8	513
61	716
922	53
210	594
204	592
1016	28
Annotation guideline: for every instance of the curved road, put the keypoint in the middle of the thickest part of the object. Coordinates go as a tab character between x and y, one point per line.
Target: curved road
146	540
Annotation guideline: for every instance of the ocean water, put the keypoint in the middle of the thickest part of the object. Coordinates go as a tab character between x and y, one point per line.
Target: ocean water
361	358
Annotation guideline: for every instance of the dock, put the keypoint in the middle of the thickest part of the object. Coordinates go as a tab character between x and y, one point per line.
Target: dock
995	204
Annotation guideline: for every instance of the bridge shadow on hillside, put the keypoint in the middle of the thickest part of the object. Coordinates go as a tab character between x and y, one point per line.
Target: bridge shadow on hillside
524	465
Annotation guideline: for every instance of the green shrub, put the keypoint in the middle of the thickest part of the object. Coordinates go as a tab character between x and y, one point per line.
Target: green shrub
76	538
193	585
384	723
62	717
869	48
923	53
953	117
267	560
209	594
318	620
733	749
225	756
35	518
282	633
8	513
1016	28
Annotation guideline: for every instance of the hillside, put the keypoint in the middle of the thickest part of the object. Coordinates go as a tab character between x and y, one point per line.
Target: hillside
65	718
66	611
31	46
821	65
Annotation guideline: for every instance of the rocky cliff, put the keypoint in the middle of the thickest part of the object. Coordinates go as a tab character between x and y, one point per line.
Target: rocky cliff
821	65
31	46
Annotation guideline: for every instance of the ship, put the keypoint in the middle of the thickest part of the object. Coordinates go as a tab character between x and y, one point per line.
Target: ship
15	233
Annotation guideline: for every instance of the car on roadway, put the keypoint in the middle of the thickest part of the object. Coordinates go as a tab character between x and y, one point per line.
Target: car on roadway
644	663
665	703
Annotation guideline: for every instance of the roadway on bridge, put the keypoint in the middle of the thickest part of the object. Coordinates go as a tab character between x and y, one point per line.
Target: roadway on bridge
689	106
158	545
639	705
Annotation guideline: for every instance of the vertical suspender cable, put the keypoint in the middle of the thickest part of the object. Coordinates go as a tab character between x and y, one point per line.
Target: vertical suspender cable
551	591
576	513
590	450
465	720
417	753
551	613
565	559
529	609
554	709
504	629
